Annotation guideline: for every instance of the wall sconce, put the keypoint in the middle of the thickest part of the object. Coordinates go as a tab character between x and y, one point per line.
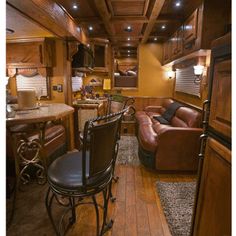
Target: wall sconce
198	70
170	74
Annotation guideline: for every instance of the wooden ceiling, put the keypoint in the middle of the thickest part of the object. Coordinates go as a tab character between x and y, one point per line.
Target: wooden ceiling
149	20
111	19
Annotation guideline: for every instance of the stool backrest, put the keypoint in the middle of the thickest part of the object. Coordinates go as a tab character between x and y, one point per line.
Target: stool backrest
101	149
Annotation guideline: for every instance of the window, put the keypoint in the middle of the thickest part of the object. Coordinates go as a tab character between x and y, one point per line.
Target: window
32	82
185	81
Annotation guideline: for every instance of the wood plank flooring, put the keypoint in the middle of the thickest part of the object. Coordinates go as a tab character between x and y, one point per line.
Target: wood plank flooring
137	210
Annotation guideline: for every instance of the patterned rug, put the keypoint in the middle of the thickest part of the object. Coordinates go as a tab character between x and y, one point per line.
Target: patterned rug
128	151
177	200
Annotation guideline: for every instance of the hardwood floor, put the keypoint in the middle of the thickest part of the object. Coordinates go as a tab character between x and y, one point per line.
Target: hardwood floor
137	210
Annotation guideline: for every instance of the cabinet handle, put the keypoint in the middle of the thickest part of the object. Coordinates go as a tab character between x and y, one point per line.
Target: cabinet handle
203	139
205	113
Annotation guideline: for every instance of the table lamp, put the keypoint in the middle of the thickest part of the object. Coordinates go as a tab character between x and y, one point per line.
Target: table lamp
106	86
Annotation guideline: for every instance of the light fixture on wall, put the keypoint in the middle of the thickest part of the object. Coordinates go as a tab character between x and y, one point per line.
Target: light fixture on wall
170	74
198	70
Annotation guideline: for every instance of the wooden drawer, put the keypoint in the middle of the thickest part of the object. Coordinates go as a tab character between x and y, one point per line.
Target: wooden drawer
128	128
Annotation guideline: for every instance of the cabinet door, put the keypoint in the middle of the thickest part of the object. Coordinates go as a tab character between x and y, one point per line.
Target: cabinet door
30	54
167	51
220	109
213	215
24	54
179	49
190	27
177	43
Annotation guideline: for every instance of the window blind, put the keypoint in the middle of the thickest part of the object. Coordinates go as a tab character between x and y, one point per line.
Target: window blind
185	81
34	82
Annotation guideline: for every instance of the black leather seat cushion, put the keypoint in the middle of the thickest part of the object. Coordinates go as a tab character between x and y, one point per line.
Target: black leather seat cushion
66	171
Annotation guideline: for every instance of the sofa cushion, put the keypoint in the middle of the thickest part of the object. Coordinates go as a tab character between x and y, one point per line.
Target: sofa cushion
186	117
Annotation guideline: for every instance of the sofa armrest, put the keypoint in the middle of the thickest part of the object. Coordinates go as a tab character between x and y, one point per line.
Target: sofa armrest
178	148
177	136
156	109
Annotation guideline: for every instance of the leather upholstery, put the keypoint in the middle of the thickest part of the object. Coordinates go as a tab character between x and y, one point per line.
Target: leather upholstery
66	171
175	146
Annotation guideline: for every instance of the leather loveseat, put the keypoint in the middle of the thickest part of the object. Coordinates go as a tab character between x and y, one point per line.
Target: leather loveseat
169	147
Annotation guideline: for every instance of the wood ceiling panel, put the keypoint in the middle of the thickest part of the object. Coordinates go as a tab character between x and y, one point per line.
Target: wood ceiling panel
185	8
84	8
23	27
136	29
170	27
128	8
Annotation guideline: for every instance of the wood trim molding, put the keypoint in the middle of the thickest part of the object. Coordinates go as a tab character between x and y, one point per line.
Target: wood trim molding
50	16
152	19
106	16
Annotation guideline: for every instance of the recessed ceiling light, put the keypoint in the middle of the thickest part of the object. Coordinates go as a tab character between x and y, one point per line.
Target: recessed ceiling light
155	39
128	50
128	55
88	45
75	6
90	28
163	26
128	39
128	28
177	4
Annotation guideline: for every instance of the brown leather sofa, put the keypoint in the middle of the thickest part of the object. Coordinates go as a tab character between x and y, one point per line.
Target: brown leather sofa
172	147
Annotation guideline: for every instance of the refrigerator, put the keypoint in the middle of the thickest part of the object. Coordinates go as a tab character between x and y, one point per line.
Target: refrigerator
212	211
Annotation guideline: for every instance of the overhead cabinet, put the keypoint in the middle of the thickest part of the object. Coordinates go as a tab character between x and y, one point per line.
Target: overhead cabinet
27	54
208	22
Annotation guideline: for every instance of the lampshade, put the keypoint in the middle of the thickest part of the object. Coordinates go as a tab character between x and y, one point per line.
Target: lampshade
106	84
198	70
170	74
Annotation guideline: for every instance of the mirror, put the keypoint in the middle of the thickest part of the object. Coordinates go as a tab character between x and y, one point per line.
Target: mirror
126	68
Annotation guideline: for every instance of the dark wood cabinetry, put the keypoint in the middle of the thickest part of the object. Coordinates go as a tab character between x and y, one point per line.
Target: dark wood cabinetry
213	215
208	22
177	43
220	116
213	202
37	53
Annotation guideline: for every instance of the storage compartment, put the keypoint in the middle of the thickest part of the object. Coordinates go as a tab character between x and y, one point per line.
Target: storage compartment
28	54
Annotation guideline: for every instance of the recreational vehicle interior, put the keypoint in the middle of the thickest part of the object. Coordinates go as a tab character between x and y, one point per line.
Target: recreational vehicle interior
118	117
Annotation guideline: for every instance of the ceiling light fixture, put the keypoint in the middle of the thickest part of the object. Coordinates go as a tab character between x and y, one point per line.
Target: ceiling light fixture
163	26
75	6
90	28
128	39
155	39
177	4
128	50
128	28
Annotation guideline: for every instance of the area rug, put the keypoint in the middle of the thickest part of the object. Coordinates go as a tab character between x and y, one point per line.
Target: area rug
128	151
177	200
